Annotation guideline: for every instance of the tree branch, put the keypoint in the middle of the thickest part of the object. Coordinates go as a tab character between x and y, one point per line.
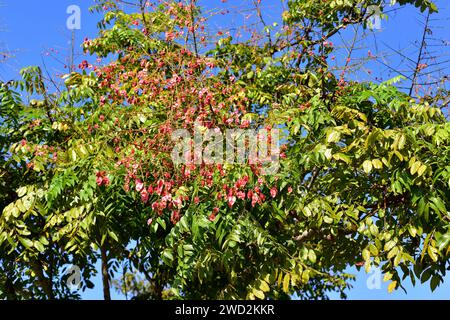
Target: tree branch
419	57
105	275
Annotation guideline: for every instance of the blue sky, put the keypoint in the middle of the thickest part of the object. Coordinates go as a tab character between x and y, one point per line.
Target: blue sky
36	33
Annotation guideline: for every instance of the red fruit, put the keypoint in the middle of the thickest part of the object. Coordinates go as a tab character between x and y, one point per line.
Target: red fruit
99	181
105	181
273	192
240	195
144	195
175	217
139	185
231	201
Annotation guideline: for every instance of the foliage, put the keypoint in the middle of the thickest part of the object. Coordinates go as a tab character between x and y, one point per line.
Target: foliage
87	171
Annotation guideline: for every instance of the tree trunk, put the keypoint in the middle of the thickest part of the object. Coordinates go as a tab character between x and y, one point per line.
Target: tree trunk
43	282
105	275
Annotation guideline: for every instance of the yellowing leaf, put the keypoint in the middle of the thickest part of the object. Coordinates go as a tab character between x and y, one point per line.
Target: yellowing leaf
368	266
377	164
392	286
421	170
392	253
14	211
387	276
367	166
399	155
389	245
366	254
327	220
415	166
432	252
20	205
280	279
264	286
398	259
425	246
312	256
286	280
73	155
328	154
333	136
373	250
341	156
83	150
305	276
412	230
21	191
401	141
259	294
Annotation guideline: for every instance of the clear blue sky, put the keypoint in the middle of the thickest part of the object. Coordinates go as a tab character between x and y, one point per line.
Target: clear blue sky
35	32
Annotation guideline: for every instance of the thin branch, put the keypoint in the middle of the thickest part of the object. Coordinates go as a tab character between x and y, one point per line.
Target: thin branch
257	4
194	37
419	57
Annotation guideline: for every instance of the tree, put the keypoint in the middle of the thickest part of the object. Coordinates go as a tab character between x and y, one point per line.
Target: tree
363	171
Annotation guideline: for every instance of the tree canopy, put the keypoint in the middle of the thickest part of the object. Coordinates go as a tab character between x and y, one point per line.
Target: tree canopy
87	172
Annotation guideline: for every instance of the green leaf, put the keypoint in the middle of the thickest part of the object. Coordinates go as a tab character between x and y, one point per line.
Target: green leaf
425	276
161	222
435	281
27	243
39	246
342	157
443	241
83	150
312	256
439	204
113	236
89	284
